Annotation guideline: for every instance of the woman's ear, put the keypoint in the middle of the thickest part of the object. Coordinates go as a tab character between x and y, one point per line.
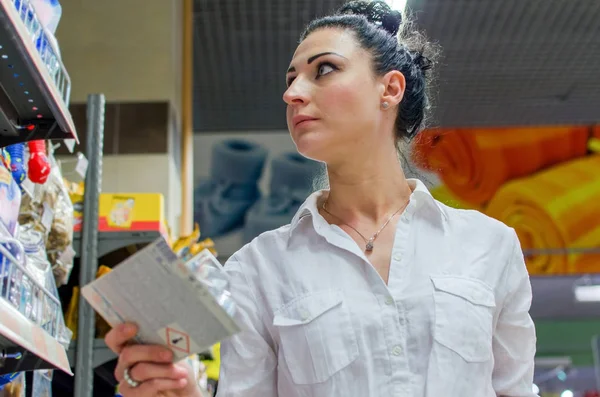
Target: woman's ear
394	85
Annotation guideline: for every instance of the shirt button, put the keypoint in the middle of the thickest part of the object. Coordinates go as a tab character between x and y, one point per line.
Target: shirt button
397	350
389	301
397	258
304	314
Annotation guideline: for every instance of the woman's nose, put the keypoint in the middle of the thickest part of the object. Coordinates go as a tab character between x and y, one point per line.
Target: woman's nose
297	93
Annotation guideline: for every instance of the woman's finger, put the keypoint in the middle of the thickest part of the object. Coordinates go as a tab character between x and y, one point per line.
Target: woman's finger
151	388
143	372
134	354
119	336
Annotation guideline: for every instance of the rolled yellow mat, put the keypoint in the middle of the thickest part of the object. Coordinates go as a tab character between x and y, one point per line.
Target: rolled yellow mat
474	163
554	210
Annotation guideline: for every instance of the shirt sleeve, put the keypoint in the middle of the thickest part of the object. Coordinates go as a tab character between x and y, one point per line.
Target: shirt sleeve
248	360
514	337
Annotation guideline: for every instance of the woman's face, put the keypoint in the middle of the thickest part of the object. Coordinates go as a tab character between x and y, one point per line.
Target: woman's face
333	97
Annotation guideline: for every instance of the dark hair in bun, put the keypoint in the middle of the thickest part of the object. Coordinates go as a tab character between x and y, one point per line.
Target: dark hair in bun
394	45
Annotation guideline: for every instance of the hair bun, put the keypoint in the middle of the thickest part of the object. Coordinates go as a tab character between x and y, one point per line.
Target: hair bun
391	22
377	12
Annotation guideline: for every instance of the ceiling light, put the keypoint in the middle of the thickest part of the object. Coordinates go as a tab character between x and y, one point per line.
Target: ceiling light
535	389
566	393
587	293
399	5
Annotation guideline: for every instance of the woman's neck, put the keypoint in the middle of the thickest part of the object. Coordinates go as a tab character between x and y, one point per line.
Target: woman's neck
367	189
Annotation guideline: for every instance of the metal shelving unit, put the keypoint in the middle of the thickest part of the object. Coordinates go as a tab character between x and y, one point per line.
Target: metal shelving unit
84	352
112	241
102	354
35	86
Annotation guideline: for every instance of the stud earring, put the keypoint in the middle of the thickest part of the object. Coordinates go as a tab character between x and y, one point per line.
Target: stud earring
385	105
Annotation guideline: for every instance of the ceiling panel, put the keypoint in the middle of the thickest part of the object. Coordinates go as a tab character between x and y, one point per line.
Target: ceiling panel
242	50
504	62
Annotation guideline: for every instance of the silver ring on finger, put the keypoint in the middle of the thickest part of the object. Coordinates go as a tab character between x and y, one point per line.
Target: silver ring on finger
130	381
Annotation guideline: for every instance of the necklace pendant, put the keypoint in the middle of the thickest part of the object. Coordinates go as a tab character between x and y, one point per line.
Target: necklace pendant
369	246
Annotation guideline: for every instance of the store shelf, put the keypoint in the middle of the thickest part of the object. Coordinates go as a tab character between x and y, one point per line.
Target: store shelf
35	85
38	349
112	241
102	354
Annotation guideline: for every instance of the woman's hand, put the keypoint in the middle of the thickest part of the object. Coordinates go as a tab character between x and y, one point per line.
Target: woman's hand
150	366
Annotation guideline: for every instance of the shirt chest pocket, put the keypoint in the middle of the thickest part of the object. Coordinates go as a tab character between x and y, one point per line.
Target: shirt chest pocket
317	338
464	316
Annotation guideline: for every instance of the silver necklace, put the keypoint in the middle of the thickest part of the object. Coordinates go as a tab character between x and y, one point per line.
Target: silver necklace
369	242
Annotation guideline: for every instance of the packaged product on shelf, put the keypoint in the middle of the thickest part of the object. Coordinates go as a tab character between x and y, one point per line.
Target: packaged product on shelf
10	196
36	210
49	211
27	288
16	388
42	384
17	163
38	166
49	13
186	247
12	261
182	244
60	240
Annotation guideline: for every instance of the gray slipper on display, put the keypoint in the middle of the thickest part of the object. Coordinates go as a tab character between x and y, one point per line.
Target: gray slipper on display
292	181
221	202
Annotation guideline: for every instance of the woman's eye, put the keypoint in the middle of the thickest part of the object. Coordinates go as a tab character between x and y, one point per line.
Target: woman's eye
325	68
290	81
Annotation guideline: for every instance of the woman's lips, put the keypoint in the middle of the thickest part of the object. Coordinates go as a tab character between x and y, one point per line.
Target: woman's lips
301	120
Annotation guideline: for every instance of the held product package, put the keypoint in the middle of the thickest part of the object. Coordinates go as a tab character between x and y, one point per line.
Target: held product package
183	306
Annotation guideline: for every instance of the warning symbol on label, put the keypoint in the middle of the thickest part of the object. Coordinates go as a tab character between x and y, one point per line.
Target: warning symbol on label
178	340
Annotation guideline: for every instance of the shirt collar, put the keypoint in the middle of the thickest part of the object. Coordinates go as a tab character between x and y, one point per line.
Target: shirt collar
420	194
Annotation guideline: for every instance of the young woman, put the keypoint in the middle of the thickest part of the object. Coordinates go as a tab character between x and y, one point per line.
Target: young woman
375	288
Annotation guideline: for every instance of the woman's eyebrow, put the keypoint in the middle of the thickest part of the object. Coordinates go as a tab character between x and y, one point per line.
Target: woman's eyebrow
312	59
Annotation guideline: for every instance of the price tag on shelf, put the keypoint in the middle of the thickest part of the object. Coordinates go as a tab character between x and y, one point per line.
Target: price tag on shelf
70	144
82	165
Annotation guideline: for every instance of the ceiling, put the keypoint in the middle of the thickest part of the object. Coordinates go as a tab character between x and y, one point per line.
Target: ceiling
509	62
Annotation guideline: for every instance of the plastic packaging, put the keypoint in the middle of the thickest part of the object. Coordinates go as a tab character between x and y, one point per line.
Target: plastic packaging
11	276
48	12
60	239
8	378
41	385
16	388
10	201
207	270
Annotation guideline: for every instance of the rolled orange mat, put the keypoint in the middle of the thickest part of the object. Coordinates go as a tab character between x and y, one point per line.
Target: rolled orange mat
474	163
556	214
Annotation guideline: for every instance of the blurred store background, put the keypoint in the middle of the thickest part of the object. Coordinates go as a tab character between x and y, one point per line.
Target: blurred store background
195	133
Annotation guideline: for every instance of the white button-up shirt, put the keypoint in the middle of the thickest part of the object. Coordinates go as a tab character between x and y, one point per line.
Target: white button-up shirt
319	321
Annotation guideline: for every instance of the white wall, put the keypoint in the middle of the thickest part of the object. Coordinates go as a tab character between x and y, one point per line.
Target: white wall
128	50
